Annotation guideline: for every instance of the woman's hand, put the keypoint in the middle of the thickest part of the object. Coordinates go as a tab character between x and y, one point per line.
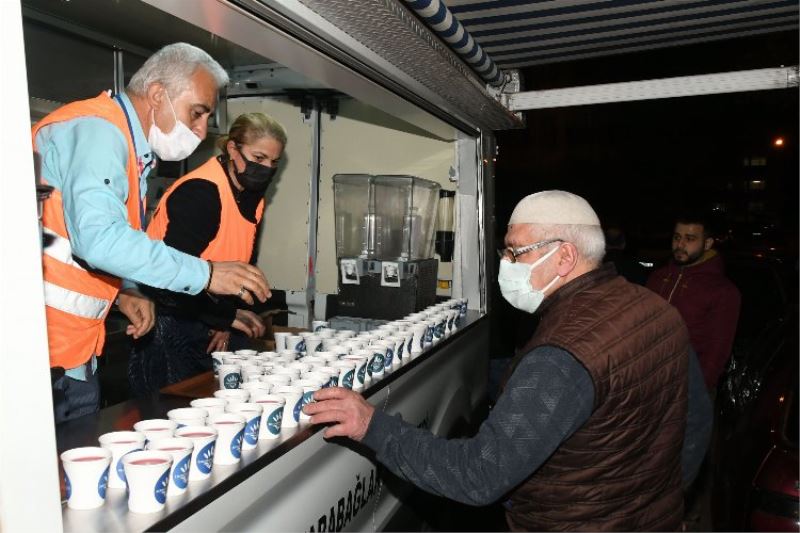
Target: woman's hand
249	323
219	341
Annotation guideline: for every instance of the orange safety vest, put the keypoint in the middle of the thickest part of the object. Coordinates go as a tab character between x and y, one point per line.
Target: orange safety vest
236	235
77	300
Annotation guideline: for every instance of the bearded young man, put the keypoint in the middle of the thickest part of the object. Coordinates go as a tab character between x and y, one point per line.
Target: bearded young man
694	282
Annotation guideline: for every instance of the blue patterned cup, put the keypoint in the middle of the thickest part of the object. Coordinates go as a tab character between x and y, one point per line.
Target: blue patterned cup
252	416
230	434
271	415
148	480
180	449
204	439
120	443
86	472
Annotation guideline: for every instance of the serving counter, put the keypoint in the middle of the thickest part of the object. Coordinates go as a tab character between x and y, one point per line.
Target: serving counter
300	481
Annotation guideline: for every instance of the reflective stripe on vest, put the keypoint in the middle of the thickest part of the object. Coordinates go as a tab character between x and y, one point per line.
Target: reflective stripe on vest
75	303
78	300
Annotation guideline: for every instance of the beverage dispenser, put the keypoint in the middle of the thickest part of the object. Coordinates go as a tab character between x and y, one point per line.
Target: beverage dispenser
385	230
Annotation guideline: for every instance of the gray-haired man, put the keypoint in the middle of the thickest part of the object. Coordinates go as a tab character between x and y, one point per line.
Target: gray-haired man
97	154
589	430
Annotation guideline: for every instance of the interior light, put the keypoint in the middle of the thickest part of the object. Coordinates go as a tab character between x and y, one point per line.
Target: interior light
778	142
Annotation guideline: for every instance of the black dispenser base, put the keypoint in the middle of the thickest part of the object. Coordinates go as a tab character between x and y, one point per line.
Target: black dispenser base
369	299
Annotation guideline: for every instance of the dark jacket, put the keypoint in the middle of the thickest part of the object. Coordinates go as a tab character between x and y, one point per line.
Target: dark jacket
621	471
709	304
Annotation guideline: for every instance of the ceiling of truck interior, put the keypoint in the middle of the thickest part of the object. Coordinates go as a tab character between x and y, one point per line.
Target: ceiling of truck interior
522	33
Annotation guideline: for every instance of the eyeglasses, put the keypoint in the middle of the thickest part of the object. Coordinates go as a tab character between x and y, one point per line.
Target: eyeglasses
510	253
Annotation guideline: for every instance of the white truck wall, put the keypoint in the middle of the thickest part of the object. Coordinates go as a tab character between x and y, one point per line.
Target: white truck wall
363	139
283	242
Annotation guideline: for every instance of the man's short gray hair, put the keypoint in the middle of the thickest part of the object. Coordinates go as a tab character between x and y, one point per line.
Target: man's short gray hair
588	239
173	67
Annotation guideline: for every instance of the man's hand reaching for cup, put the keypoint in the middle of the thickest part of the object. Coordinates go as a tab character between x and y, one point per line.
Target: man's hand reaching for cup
347	411
239	279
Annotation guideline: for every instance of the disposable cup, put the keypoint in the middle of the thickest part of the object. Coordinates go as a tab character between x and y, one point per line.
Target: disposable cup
276	380
271	415
310	386
120	443
317	325
180	448
155	428
324	378
388	360
420	332
217	360
328	356
148	480
346	373
86	472
246	352
301	366
286	356
254	387
233	395
293	373
313	344
293	396
377	360
230	434
296	343
312	360
230	376
188	416
233	359
326	333
329	343
252	414
204	439
280	340
360	377
211	405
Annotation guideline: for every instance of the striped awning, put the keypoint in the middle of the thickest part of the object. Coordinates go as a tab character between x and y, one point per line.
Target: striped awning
522	33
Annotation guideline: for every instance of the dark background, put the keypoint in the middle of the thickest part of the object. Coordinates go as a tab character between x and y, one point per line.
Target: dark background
638	163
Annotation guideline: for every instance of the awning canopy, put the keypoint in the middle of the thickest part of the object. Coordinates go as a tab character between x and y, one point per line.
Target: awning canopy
523	33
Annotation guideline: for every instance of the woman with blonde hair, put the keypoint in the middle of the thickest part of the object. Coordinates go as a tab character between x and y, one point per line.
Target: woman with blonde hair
213	213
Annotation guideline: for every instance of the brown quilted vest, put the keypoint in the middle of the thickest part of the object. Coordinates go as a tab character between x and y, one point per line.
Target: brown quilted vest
621	471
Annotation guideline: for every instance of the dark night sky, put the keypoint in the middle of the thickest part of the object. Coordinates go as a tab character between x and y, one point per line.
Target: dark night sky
638	162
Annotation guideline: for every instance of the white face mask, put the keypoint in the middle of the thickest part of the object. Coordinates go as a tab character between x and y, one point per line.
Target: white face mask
176	145
515	283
